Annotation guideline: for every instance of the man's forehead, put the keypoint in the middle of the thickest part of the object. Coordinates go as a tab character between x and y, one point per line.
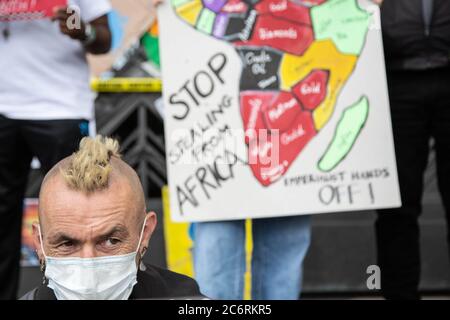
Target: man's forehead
59	204
122	199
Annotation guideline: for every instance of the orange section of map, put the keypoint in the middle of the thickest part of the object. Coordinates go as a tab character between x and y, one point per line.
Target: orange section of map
321	55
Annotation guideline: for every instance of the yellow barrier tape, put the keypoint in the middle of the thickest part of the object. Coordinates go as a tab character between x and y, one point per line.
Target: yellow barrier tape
125	85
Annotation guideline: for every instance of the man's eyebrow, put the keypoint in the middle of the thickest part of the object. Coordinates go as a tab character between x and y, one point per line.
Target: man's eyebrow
119	231
60	237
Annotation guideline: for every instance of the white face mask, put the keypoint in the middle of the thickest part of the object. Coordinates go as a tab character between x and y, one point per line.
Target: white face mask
102	278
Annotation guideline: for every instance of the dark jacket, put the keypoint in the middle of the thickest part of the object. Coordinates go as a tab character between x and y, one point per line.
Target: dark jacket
405	32
153	283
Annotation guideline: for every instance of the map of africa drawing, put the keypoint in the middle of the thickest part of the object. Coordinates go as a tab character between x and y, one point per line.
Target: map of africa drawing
275	108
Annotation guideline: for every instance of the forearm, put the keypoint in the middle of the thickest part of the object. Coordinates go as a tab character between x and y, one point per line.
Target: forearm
95	36
102	42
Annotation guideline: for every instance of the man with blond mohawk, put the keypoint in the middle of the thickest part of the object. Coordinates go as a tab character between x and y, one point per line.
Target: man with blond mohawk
94	230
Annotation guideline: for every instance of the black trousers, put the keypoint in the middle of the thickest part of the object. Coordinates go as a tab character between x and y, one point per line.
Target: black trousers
20	140
420	106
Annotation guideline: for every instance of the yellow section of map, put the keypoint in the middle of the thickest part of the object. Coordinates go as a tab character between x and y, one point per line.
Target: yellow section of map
190	11
321	55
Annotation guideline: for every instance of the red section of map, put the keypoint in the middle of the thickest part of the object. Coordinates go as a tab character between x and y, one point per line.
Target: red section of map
252	104
285	9
270	153
235	6
280	34
296	138
280	114
270	157
28	9
312	90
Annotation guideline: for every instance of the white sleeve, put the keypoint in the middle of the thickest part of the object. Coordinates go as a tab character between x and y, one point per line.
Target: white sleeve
92	9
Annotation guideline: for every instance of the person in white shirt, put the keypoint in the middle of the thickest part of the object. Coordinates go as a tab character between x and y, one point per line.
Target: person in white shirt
45	106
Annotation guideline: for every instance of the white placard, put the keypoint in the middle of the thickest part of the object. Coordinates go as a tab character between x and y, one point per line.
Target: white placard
275	108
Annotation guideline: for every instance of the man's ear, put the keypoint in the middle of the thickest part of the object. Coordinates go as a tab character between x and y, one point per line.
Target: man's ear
37	241
150	225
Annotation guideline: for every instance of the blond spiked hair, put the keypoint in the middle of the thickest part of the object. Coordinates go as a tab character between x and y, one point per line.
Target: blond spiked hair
89	168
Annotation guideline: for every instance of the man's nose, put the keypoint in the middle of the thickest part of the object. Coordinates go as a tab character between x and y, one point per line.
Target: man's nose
88	251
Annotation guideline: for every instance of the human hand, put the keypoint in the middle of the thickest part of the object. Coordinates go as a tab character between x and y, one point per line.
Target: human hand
62	15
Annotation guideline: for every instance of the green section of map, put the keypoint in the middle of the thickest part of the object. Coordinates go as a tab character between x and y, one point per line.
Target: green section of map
206	21
348	129
348	29
177	3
